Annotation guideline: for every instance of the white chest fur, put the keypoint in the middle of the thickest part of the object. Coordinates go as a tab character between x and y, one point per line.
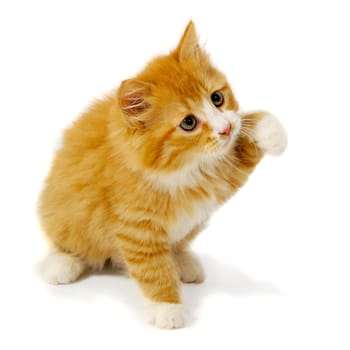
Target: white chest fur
186	221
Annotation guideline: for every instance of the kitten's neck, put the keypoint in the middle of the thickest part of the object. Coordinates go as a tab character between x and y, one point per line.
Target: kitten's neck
190	176
175	180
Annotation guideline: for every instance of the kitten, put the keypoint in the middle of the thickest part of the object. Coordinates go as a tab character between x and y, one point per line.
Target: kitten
142	170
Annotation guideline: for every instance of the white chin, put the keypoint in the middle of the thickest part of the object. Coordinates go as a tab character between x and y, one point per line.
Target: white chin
225	145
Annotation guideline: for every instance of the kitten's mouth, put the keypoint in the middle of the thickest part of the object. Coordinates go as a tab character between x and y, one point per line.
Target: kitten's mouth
230	132
224	140
227	131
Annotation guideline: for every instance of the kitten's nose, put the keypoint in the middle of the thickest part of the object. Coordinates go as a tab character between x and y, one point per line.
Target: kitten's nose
226	131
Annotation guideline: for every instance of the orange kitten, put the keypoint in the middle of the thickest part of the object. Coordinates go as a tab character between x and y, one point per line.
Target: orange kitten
140	173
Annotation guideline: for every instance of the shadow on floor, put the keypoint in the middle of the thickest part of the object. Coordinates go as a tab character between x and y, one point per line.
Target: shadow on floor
220	278
225	279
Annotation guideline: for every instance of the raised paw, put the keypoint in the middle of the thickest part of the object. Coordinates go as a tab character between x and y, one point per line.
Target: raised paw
270	135
166	315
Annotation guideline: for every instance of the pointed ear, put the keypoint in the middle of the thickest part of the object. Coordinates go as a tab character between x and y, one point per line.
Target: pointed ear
134	97
188	47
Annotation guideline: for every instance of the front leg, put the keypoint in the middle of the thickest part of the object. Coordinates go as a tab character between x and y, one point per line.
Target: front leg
151	264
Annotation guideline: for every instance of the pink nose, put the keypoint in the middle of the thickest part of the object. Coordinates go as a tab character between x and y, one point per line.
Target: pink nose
226	131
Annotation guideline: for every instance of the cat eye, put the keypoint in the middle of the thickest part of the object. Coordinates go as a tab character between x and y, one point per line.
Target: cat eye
189	123
217	98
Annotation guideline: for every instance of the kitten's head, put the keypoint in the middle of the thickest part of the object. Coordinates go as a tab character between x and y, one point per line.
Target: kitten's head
179	110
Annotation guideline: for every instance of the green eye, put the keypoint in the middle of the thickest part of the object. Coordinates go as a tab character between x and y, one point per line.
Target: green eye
217	98
189	123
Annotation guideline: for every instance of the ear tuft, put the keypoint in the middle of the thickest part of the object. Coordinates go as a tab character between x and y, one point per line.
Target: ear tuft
188	46
133	97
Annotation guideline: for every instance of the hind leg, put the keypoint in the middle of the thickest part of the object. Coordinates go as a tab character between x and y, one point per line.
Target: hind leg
62	268
188	266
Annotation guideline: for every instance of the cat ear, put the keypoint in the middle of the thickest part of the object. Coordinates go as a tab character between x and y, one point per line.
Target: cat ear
134	96
188	47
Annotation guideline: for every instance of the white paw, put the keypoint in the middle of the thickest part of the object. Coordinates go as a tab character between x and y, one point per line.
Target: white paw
271	135
166	315
61	268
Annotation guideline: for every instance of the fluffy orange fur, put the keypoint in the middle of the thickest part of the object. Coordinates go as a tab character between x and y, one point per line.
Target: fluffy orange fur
127	173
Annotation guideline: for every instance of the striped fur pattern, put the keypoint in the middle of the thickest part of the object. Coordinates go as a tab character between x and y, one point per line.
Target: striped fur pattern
130	185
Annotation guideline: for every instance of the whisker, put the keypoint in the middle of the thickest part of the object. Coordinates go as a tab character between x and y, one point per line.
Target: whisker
248	133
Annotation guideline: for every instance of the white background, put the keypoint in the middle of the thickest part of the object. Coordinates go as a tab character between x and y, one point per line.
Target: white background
276	256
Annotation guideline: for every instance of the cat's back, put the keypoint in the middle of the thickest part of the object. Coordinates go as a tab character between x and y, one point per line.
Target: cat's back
88	133
77	185
84	149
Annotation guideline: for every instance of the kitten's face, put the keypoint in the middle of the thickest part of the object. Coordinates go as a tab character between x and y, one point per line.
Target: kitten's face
182	108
